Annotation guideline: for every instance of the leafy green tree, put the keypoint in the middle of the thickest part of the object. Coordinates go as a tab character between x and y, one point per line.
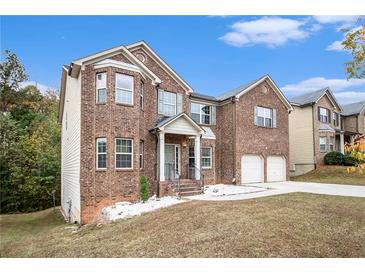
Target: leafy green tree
355	43
12	74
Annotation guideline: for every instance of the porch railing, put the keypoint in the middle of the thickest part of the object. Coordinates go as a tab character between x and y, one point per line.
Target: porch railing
193	170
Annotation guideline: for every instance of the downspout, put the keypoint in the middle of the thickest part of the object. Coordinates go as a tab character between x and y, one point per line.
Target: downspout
234	180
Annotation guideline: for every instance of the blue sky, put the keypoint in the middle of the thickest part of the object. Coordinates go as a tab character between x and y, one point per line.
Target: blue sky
212	53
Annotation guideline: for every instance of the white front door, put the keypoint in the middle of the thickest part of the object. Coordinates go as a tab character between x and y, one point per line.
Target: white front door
252	169
172	161
276	169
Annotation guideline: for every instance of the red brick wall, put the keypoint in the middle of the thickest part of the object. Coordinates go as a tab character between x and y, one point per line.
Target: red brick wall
111	120
242	136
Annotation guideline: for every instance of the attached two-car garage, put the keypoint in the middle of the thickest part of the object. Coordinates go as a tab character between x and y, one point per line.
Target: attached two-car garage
253	166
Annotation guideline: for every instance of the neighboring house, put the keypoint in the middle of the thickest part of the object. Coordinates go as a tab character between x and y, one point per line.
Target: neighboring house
353	120
125	113
314	130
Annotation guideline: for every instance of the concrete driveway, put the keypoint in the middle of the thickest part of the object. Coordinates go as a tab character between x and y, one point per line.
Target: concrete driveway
250	191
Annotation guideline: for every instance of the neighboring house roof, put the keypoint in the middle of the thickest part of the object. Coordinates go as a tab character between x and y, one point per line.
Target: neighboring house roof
142	44
353	109
314	97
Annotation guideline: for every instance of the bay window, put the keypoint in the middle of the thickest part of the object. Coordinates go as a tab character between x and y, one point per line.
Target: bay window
101	153
101	88
123	89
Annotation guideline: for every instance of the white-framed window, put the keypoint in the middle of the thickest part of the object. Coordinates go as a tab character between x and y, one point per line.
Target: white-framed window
123	153
100	153
101	88
201	113
336	119
322	144
323	115
141	154
191	156
332	143
169	103
206	157
141	96
264	117
124	87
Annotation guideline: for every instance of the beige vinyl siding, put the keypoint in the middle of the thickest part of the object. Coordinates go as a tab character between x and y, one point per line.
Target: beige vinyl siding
70	149
301	136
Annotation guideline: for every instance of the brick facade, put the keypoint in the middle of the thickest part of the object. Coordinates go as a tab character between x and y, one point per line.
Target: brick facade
235	134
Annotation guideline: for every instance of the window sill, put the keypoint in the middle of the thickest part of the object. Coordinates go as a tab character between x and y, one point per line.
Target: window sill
206	168
124	105
101	169
124	169
265	127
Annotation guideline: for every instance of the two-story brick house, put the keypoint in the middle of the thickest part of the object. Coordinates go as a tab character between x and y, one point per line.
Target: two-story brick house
125	113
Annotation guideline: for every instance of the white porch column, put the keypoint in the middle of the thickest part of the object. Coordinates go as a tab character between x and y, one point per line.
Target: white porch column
161	141
342	144
197	156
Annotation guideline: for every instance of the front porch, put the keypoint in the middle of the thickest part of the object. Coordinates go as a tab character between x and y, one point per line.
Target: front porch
178	149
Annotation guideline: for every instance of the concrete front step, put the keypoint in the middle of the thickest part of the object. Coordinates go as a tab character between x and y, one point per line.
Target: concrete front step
190	193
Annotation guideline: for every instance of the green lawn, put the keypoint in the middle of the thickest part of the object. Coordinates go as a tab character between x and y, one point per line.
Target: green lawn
290	225
332	175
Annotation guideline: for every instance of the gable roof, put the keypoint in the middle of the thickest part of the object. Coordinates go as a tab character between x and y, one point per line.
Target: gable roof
354	108
236	91
314	97
161	62
165	122
239	91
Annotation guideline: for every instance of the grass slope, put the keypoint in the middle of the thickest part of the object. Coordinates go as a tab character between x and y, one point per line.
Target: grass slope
291	225
332	175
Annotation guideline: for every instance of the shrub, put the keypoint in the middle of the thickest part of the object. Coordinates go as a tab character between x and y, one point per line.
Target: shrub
333	158
349	160
144	191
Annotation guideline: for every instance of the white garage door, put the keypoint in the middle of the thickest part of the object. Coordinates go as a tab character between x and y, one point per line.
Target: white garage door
252	169
276	168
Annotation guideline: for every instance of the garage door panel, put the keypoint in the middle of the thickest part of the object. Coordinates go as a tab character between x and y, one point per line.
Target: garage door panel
276	169
252	168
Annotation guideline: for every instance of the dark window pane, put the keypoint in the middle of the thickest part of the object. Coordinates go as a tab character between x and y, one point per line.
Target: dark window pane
260	121
102	161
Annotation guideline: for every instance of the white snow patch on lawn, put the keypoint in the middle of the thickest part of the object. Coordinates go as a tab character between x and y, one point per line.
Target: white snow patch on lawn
226	190
124	210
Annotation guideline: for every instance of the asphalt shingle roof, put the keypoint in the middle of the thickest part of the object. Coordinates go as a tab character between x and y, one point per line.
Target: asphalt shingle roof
235	91
308	98
354	108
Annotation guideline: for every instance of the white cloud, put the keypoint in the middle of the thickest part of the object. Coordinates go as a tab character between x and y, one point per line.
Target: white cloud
270	31
349	97
42	88
340	88
335	46
316	83
334	19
